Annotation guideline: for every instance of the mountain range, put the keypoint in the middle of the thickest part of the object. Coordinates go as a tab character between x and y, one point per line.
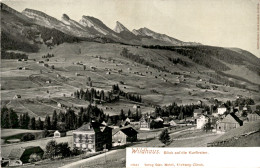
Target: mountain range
88	27
30	30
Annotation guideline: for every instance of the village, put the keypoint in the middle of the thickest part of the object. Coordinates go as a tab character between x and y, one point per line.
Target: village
94	138
70	111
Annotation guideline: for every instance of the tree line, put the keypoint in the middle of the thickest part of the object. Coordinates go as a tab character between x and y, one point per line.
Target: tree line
12	55
130	96
93	94
181	111
48	56
178	61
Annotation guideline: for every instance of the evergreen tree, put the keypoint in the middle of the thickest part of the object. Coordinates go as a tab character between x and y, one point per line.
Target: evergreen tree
32	124
122	115
61	117
5	122
164	137
70	119
39	124
102	95
54	120
129	114
47	122
25	121
14	121
20	120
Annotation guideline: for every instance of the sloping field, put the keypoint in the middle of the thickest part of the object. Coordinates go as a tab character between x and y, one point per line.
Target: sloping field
11	132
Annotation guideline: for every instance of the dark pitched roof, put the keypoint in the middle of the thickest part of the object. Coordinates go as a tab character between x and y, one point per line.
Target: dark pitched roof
127	130
231	118
222	106
198	110
257	112
93	127
114	131
18	152
87	127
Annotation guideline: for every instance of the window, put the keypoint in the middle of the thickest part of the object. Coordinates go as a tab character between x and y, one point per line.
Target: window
77	140
90	146
84	146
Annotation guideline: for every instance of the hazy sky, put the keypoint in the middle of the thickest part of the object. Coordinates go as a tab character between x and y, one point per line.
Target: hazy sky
226	23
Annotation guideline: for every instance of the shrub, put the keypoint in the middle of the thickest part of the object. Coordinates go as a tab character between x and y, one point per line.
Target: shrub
34	158
165	137
28	137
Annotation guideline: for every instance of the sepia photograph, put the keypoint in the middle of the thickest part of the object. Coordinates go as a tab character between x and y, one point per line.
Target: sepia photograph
130	83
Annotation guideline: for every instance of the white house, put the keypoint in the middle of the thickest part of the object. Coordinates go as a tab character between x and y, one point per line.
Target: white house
59	104
172	123
56	134
17	97
158	119
201	121
222	109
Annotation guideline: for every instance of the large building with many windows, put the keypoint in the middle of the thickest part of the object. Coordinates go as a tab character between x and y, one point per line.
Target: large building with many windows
93	137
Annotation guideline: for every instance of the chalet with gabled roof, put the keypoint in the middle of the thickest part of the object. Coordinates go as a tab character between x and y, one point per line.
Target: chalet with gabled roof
222	109
124	135
19	156
231	121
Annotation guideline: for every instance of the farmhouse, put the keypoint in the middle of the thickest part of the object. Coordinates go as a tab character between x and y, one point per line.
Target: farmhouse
60	133
231	121
56	134
25	68
201	121
222	109
168	122
93	137
158	119
45	65
19	156
197	112
124	135
59	105
137	109
172	123
40	62
17	97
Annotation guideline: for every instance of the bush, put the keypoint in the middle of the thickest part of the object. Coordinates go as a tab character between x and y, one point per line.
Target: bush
34	158
165	137
28	137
